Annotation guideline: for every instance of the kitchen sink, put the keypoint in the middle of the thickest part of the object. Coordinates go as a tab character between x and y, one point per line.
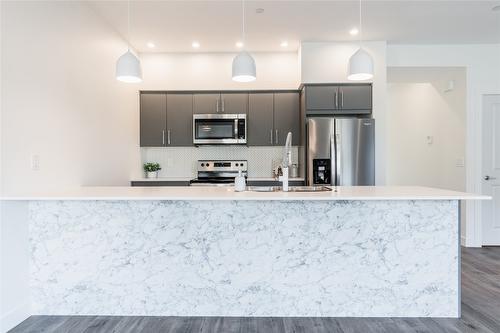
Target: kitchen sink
290	189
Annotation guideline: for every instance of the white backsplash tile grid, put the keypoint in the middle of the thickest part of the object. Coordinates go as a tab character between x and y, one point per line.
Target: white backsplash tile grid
181	161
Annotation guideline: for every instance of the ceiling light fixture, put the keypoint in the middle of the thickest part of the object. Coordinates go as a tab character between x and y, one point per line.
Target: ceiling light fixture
361	62
354	31
284	43
128	66
239	44
243	64
195	44
151	45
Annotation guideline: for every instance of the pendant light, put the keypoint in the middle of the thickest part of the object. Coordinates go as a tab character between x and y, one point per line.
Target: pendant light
361	62
128	66
243	64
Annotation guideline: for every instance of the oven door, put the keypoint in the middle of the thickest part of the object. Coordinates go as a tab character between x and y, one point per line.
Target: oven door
218	129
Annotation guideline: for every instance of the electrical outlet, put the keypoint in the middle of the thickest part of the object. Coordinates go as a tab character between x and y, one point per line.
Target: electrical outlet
430	140
35	162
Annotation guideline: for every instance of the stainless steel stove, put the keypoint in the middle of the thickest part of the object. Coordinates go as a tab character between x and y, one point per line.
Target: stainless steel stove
218	172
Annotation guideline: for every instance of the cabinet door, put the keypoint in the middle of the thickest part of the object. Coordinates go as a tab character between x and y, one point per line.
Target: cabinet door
260	119
355	97
234	103
286	117
321	98
179	120
153	119
206	103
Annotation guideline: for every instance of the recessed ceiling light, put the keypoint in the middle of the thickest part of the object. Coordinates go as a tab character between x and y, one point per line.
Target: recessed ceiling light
259	10
284	43
239	44
151	45
195	44
496	8
354	31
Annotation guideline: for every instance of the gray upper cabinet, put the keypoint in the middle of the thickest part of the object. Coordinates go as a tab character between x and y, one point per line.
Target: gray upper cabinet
206	103
338	99
234	103
321	97
286	117
179	119
153	119
260	119
358	97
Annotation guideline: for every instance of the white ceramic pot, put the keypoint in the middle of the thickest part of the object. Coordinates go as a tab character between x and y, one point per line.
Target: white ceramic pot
152	174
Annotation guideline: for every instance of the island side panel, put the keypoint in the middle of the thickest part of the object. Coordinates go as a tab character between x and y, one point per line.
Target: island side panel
245	258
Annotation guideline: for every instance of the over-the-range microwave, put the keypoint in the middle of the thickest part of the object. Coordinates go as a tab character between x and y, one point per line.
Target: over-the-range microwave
219	129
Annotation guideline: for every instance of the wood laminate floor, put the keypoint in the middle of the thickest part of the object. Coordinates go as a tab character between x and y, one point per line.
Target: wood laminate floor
480	313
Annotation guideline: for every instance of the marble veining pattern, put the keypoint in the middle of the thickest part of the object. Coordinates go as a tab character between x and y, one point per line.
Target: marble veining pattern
245	258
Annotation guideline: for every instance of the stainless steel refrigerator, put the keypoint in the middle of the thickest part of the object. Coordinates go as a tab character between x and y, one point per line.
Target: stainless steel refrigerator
340	151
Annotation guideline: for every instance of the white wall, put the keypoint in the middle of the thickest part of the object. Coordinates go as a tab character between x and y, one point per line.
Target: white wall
327	62
419	107
482	66
189	71
60	99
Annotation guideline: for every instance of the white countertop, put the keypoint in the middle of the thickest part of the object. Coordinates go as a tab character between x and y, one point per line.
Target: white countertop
186	179
227	193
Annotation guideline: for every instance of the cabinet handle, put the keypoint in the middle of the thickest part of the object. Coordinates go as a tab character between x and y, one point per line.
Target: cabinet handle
223	104
342	98
163	137
168	137
337	99
276	138
271	131
217	105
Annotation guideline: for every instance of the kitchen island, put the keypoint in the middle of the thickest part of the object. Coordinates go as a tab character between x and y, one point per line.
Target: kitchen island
184	251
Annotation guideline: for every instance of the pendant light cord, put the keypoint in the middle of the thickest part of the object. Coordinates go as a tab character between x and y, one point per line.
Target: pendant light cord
360	25
243	22
128	24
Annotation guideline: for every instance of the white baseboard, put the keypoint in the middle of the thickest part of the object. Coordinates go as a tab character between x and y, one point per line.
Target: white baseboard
14	317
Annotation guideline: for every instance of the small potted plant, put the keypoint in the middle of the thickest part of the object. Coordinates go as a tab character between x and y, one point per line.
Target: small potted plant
151	170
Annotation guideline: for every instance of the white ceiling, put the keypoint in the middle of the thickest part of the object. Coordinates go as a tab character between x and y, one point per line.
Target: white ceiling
173	25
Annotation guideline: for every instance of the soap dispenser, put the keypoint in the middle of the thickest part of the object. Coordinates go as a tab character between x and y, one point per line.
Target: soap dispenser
239	182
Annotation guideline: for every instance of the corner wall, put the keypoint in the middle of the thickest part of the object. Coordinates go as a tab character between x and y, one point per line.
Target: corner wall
61	101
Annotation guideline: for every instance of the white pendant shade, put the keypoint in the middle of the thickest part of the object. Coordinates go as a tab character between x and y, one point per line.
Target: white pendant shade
244	68
360	66
128	68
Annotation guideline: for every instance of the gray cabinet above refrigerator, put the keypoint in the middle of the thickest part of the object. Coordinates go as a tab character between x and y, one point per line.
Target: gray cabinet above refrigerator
338	99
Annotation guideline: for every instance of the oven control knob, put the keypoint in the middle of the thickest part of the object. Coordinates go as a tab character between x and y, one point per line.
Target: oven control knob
207	165
202	164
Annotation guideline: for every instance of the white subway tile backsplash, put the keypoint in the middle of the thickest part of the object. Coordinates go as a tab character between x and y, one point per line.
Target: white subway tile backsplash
181	161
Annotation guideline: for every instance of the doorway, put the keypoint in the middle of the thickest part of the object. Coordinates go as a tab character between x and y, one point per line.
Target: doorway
491	170
426	128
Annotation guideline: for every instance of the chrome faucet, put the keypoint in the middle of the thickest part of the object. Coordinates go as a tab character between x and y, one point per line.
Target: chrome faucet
286	163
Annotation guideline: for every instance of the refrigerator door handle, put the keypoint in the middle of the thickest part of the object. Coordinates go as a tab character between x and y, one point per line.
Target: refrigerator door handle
333	166
338	165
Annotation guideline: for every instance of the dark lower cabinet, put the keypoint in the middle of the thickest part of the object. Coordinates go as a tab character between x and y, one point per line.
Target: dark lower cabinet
153	119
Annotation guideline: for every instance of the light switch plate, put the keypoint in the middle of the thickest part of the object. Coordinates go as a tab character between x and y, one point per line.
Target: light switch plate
460	162
35	162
